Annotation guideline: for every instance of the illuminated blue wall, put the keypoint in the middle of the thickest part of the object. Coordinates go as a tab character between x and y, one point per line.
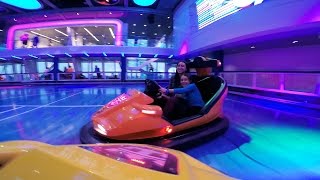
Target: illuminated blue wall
267	18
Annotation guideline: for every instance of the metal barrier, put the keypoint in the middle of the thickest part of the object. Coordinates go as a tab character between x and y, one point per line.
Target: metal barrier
303	82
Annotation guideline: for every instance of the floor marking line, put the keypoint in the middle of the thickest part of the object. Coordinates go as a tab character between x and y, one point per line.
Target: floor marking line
32	95
39	107
11	109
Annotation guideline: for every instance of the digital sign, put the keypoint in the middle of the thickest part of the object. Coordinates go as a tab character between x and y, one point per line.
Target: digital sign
209	11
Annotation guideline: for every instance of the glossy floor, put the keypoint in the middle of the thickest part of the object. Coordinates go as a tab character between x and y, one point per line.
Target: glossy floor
265	140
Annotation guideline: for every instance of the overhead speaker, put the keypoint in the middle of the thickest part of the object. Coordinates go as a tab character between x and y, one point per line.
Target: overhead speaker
151	18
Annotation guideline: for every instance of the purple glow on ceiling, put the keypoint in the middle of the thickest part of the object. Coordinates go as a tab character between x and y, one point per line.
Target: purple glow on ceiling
117	23
184	48
312	16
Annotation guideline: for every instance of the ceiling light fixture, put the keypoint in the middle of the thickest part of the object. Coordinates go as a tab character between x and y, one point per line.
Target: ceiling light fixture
295	42
159	25
33	56
112	34
252	47
50	55
94	37
16	57
139	55
145	25
86	54
45	36
1	30
68	54
134	24
156	55
122	54
15	19
78	14
45	16
2	59
104	54
170	56
61	32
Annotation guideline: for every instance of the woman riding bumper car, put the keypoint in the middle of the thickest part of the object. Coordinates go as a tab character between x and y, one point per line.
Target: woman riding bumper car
131	117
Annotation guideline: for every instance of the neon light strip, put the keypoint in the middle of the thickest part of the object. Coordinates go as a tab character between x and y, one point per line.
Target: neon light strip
94	37
118	23
2	59
61	32
112	34
43	36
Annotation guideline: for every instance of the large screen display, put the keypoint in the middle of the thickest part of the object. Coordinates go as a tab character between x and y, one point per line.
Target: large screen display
209	11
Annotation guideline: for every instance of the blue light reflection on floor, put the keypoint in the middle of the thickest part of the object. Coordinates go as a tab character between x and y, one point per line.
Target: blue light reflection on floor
264	141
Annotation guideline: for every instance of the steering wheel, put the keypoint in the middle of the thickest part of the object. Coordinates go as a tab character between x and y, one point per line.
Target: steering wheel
152	88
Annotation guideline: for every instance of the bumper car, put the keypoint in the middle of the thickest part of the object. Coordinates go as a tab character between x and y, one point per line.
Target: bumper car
35	160
132	118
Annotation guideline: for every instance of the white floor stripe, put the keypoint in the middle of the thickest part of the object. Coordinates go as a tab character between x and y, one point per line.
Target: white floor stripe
11	109
39	107
33	95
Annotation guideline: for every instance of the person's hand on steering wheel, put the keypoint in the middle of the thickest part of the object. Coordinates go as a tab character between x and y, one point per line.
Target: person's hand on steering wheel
162	90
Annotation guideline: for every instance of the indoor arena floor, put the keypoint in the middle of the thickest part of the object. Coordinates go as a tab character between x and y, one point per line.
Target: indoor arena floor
265	140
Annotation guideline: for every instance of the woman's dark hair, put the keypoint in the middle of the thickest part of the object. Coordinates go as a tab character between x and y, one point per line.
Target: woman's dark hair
176	75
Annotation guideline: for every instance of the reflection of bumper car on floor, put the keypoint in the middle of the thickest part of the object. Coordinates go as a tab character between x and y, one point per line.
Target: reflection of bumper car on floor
131	118
35	160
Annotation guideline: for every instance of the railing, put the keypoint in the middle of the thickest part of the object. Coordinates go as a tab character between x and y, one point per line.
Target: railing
80	76
302	82
26	77
84	76
274	81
